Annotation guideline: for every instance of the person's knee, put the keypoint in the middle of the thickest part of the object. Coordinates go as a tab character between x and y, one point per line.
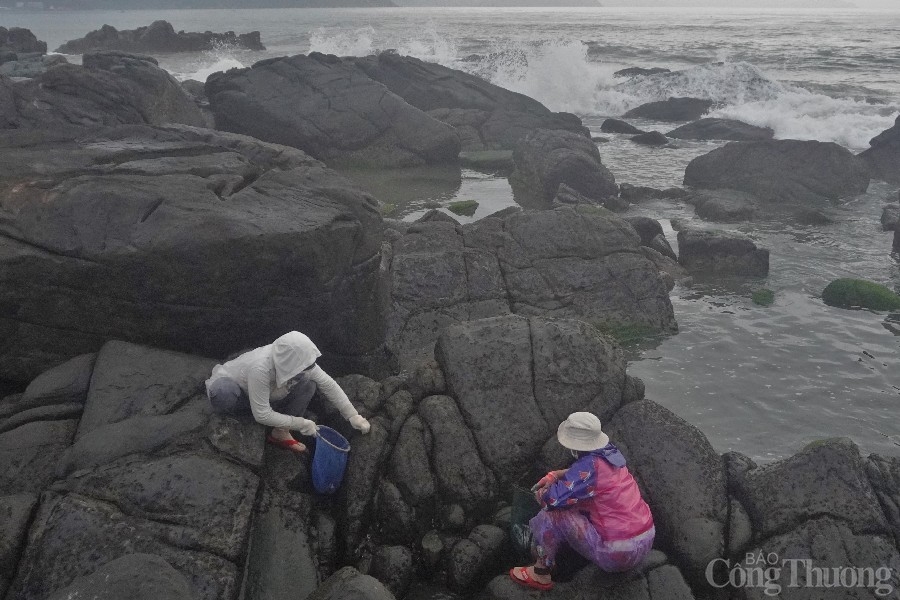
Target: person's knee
224	396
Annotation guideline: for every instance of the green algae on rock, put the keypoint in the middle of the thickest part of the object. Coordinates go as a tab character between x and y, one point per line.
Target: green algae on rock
851	293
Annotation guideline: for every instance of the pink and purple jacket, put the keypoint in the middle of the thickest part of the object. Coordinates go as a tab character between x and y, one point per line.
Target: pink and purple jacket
599	485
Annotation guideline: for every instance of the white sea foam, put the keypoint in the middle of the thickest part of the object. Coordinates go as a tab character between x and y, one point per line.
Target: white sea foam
220	58
340	42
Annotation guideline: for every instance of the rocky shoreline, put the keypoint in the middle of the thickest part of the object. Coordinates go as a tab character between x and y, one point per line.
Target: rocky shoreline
139	246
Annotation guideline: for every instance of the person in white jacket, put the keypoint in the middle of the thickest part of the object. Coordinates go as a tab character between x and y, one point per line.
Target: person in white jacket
275	383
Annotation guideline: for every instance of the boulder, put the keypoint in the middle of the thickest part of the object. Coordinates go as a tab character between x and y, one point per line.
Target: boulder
715	252
54	412
890	216
472	558
29	454
826	479
673	109
488	161
280	538
814	551
350	584
884	475
21	40
131	380
545	159
486	116
15	515
653	138
111	88
133	576
721	129
410	465
618	126
639	193
515	379
181	238
859	293
724	206
158	37
782	172
365	466
652	235
31	66
393	566
883	156
329	108
73	535
578	262
62	384
682	478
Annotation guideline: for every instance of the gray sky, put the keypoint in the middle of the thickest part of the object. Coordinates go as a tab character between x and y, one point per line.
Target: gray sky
865	4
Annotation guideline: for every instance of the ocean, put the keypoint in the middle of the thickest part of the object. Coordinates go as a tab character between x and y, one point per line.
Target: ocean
762	381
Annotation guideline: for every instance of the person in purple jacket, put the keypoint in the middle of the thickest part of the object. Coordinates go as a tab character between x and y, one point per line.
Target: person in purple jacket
594	506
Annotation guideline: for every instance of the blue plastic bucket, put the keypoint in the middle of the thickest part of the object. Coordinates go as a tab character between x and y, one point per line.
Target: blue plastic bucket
329	460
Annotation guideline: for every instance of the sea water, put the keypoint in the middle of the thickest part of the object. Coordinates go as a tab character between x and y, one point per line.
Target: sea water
760	380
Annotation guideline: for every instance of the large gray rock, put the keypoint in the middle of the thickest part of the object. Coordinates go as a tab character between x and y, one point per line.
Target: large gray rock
516	379
131	380
673	109
15	515
63	384
350	584
29	453
328	107
19	39
208	498
545	159
826	479
579	262
883	157
716	252
486	116
459	472
393	566
721	129
826	544
134	576
158	37
890	217
180	238
472	558
724	206
410	465
884	475
281	563
782	172
682	479
619	126
31	66
111	88
365	466
72	536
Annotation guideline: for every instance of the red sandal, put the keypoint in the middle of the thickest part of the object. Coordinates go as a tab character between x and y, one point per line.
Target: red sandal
290	444
520	575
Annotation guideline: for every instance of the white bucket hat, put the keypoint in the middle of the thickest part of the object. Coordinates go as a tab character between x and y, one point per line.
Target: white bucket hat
582	431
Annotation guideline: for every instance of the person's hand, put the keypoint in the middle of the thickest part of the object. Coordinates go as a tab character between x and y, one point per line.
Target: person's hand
360	423
304	426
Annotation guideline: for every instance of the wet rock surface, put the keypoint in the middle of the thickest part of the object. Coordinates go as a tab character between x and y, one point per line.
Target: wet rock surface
545	159
178	205
782	172
721	129
158	37
568	262
673	109
715	252
329	108
883	157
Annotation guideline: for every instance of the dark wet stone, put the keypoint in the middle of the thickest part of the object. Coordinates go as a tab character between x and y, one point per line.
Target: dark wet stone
715	252
15	515
55	412
721	129
883	157
29	454
673	109
134	576
652	138
617	126
393	566
350	584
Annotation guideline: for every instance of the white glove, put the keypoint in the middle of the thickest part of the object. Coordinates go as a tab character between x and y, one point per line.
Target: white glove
304	426
359	423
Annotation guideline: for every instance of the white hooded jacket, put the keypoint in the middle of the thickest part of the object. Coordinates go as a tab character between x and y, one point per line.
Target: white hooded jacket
264	374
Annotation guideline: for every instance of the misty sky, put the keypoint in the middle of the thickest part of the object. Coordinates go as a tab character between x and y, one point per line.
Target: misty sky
866	4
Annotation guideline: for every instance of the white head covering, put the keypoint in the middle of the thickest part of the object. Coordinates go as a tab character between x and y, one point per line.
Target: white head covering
582	431
291	353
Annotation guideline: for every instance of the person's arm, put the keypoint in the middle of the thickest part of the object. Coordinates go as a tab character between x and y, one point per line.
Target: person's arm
338	398
575	485
258	391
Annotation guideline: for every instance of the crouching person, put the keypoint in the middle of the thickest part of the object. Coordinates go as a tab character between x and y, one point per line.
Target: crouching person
275	383
594	506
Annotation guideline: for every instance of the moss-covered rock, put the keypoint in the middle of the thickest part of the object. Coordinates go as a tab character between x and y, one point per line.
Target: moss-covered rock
850	293
465	208
763	297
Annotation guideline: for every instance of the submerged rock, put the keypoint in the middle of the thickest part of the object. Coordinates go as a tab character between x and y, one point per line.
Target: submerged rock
721	129
158	37
617	126
653	138
546	159
890	216
723	206
640	72
782	172
130	227
883	157
329	108
713	252
673	109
